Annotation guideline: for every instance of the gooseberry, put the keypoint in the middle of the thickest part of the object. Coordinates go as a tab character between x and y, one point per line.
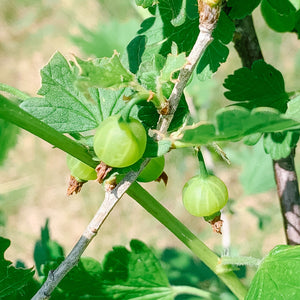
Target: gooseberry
80	170
120	143
152	170
204	195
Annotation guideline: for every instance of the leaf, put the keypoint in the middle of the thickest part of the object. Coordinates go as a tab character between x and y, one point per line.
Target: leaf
180	115
154	149
279	15
240	9
135	50
146	113
8	138
173	63
252	139
234	122
257	174
155	75
109	102
103	73
278	276
105	37
12	279
135	275
262	85
168	26
64	107
146	3
46	250
217	51
293	110
84	279
280	144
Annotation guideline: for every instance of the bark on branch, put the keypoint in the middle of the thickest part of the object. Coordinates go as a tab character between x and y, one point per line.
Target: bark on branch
248	48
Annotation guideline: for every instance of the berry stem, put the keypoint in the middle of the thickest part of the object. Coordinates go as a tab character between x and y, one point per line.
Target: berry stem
202	167
134	101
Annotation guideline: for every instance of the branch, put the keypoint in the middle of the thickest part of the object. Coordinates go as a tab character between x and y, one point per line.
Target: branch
247	46
110	200
288	192
208	19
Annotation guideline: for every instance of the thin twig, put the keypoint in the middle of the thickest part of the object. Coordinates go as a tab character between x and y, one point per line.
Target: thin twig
247	46
208	20
110	200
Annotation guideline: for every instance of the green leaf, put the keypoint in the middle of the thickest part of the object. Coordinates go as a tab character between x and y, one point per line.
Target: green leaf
257	174
109	102
146	3
234	122
278	276
180	115
64	107
106	37
135	275
103	73
8	138
297	24
168	26
217	51
155	75
145	113
293	110
46	250
279	15
84	279
173	63
280	144
154	149
262	85
252	139
240	9
12	279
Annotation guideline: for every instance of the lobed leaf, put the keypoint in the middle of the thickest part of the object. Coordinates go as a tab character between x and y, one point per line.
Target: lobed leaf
135	275
280	144
217	51
46	250
146	3
233	123
279	15
124	275
12	279
240	9
262	85
84	279
103	73
278	276
168	26
293	110
63	107
257	173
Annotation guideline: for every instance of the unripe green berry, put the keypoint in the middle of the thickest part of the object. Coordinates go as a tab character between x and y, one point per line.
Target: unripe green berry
152	170
120	143
204	196
80	170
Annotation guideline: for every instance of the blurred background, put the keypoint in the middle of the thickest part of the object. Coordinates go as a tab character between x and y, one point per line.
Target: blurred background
34	176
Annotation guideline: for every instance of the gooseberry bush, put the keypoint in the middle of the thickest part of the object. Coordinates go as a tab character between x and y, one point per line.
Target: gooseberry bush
117	117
